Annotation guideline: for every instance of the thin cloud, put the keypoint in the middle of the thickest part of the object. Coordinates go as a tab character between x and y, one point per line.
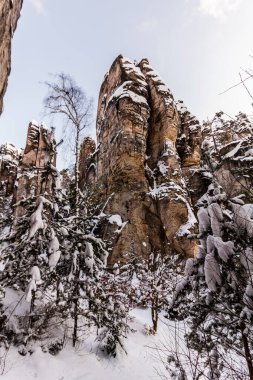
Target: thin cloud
218	9
38	6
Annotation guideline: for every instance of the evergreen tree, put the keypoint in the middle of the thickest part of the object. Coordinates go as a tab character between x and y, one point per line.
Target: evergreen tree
215	294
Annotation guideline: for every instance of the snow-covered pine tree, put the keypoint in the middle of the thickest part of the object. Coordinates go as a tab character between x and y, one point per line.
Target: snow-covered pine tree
133	274
215	295
149	283
156	285
26	260
109	309
49	257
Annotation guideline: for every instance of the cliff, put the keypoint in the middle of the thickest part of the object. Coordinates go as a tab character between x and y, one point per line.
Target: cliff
9	15
152	163
148	152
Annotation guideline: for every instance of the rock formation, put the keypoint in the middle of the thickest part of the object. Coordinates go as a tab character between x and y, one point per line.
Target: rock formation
9	15
31	171
87	165
140	171
152	163
34	175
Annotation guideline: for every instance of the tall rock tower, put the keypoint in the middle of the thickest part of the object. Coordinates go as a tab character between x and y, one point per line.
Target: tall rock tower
139	172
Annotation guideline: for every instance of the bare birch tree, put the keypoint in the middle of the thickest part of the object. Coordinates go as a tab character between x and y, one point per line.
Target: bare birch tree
67	99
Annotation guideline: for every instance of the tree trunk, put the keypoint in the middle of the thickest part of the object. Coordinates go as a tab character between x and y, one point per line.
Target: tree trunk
75	301
247	352
74	340
77	170
57	290
154	314
30	323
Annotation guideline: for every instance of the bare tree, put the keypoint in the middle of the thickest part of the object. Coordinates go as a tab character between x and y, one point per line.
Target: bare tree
67	99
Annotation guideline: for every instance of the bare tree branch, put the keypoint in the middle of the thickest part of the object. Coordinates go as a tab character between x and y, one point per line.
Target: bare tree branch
66	98
237	84
244	85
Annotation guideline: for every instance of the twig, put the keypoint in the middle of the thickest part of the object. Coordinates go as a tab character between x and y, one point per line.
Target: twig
236	85
244	85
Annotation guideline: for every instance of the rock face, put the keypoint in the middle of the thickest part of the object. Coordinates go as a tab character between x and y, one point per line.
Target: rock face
140	171
36	168
9	15
40	147
87	165
30	171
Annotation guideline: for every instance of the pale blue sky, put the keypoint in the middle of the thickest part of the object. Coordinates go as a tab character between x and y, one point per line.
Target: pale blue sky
197	46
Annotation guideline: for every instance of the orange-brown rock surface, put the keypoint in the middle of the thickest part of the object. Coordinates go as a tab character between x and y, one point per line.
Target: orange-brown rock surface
28	172
87	165
139	172
35	174
9	15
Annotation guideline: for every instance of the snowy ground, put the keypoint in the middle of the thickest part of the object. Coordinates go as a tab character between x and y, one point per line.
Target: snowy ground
85	362
146	357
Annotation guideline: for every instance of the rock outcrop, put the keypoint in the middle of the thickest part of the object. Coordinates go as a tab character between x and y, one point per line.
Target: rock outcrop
87	165
36	170
141	174
31	171
9	15
152	164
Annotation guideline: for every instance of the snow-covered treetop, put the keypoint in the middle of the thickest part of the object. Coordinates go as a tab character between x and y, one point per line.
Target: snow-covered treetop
223	133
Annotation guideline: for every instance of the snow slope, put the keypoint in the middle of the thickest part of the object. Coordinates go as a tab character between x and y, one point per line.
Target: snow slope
86	362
